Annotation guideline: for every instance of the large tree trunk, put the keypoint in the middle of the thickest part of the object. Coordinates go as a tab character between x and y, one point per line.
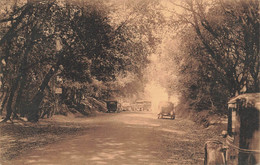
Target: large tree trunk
33	108
4	101
17	107
9	109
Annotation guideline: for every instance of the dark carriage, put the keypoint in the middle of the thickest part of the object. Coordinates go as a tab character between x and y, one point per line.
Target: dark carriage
112	106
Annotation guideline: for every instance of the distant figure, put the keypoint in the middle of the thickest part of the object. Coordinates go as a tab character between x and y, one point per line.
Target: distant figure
166	108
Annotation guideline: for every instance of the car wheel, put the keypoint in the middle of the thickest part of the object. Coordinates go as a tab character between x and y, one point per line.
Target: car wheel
173	117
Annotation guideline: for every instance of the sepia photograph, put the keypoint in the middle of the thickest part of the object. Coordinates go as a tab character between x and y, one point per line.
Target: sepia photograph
129	82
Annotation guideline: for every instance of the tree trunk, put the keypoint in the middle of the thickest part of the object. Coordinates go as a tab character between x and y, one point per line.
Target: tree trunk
4	101
37	99
9	109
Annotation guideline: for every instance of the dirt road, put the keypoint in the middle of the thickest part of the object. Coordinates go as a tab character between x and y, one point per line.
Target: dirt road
125	138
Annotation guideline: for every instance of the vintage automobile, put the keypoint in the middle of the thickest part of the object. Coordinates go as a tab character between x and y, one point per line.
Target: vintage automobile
242	144
112	106
166	108
143	105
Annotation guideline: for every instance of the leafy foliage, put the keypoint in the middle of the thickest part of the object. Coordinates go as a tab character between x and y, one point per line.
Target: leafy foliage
220	52
76	42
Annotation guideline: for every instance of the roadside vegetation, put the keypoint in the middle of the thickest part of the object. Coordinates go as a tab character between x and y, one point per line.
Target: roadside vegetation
56	54
215	54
